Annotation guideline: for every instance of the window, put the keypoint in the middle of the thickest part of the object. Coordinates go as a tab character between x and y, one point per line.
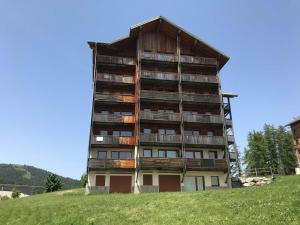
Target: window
102	155
212	155
171	154
198	155
147	110
215	181
126	113
210	133
147	153
125	155
170	132
103	133
117	113
169	111
189	155
196	133
147	131
188	133
147	179
116	133
161	131
126	133
104	112
161	154
114	155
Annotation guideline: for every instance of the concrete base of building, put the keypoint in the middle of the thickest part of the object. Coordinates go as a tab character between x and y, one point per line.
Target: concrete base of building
297	170
96	189
147	188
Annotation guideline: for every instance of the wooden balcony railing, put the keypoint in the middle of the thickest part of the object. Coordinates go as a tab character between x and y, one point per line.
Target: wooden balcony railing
160	116
159	95
115	60
204	140
206	164
228	122
159	75
112	140
199	78
111	118
232	156
159	57
203	98
160	163
115	98
111	163
159	138
198	60
126	79
230	138
214	119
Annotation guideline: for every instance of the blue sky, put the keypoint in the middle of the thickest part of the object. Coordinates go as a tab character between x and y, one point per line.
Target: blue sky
45	67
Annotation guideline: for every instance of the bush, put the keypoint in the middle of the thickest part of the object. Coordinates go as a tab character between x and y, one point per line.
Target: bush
83	179
4	198
53	183
15	193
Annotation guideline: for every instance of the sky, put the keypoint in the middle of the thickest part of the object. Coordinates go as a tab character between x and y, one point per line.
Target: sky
46	67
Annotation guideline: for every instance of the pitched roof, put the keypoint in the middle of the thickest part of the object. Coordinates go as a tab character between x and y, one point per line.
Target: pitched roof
171	29
295	120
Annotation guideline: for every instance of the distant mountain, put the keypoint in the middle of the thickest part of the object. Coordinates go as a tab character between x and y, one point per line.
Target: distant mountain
31	176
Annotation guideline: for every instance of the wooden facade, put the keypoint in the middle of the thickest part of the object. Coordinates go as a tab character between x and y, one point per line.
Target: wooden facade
295	127
158	87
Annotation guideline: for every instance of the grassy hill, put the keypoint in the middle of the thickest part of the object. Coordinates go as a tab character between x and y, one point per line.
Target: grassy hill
277	203
29	175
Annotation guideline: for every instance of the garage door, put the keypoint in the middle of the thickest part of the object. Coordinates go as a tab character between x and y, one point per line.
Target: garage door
120	184
169	183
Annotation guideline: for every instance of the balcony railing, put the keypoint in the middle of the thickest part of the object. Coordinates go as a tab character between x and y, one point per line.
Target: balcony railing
204	140
206	164
111	163
112	140
199	78
111	118
160	163
198	60
159	95
160	116
214	119
203	98
228	122
114	98
115	60
159	75
159	57
232	156
230	138
126	79
159	138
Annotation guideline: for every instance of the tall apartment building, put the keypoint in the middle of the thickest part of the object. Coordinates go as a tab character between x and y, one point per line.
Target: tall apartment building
160	121
295	127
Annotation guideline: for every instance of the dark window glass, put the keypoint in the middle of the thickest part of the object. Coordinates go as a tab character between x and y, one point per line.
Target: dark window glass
126	113
147	153
103	133
114	155
170	132
212	155
161	131
125	155
147	131
198	155
126	133
188	133
189	155
116	133
171	154
210	133
215	181
161	154
196	133
102	155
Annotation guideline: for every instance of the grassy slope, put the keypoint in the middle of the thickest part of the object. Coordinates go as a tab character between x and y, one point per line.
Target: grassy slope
278	203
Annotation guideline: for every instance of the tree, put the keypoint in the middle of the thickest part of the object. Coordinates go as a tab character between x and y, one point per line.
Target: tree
15	193
52	183
270	140
83	179
236	169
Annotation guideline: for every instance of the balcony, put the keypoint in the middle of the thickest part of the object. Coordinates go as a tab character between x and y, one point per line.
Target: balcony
114	98
103	164
211	119
160	163
204	140
160	138
114	78
230	139
153	56
206	164
115	60
199	78
228	122
160	116
112	140
152	75
232	156
111	118
200	98
198	60
159	95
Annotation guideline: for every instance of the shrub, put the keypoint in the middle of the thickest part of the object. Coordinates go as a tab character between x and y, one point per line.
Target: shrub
83	179
15	193
52	183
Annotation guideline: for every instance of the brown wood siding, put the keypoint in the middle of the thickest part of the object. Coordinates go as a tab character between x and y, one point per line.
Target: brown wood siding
100	180
147	179
120	184
158	42
169	183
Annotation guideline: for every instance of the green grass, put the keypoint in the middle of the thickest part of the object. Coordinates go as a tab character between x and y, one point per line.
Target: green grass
277	203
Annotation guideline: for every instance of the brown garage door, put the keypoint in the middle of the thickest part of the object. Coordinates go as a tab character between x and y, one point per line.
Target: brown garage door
120	184
169	183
